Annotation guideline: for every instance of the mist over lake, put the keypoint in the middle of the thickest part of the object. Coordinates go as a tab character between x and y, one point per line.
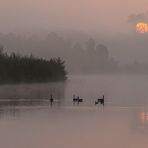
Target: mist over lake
28	120
73	74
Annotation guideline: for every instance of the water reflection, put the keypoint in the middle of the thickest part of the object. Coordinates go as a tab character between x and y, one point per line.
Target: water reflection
14	96
143	121
139	121
123	122
32	91
144	117
9	113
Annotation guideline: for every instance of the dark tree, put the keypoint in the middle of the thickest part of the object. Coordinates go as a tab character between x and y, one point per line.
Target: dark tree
17	68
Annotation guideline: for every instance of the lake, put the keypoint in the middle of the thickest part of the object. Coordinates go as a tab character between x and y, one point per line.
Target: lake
27	120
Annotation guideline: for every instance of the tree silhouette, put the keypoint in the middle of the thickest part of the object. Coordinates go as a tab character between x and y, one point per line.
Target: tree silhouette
17	68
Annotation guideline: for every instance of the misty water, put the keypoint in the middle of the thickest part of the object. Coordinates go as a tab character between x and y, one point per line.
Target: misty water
28	121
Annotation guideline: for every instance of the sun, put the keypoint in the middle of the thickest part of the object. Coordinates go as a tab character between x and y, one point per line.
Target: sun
142	27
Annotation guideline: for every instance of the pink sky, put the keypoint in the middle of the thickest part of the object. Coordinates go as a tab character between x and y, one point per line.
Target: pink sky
86	15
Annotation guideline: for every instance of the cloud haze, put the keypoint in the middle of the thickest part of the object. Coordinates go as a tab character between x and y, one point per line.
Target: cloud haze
135	18
93	16
106	20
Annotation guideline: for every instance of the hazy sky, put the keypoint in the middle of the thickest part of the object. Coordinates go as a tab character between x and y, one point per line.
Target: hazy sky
106	16
107	19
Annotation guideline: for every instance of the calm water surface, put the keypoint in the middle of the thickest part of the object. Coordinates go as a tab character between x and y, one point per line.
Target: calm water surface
28	121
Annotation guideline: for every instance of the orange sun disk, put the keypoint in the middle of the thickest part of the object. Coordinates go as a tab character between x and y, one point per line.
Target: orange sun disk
142	27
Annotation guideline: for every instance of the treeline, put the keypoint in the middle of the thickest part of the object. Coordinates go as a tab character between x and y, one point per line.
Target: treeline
82	53
17	68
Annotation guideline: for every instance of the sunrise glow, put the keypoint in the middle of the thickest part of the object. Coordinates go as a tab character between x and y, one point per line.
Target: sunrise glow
142	27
